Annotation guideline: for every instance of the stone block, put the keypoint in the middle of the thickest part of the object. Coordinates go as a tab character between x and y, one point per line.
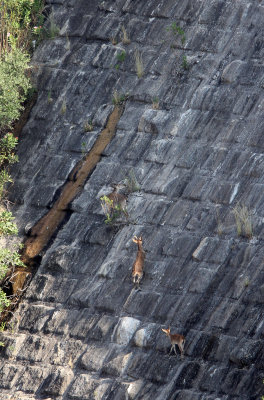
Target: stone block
86	387
139	144
211	376
76	25
93	358
246	352
195	188
224	314
202	278
9	374
180	246
117	364
32	378
225	347
202	345
103	329
153	121
222	192
111	297
34	317
176	273
232	71
235	381
52	289
83	324
35	349
125	329
212	250
141	303
56	382
188	395
187	374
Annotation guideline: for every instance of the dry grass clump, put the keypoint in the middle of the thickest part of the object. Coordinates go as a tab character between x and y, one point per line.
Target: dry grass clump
139	64
243	221
124	37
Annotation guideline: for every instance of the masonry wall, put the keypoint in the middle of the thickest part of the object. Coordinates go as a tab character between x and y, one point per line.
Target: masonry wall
81	330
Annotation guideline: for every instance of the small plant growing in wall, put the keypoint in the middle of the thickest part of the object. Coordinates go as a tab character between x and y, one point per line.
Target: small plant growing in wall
121	56
53	30
246	282
113	40
88	125
131	182
119	98
243	221
63	107
185	64
124	36
112	210
155	103
177	31
139	66
50	99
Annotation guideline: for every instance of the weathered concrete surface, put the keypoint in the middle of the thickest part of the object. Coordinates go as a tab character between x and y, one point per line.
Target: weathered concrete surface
82	332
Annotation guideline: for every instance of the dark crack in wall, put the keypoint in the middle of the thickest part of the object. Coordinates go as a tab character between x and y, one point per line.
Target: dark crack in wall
82	331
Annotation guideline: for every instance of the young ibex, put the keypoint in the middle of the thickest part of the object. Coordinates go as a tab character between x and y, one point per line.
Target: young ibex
175	339
138	266
117	201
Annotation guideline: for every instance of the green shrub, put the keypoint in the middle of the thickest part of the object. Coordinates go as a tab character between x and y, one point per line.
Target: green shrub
18	20
119	98
112	210
7	146
4	302
14	85
7	226
4	179
7	258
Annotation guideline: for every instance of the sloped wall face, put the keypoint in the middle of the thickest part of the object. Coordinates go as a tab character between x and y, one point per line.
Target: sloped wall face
82	330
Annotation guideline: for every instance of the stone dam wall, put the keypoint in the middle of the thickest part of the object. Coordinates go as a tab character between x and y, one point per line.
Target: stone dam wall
81	331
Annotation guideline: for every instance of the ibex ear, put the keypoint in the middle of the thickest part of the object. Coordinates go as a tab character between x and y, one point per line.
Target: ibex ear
135	239
140	238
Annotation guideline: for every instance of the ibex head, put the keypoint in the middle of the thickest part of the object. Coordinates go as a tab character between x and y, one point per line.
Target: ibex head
167	331
137	240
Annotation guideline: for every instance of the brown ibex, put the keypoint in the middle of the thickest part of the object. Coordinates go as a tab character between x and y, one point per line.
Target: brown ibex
175	339
138	266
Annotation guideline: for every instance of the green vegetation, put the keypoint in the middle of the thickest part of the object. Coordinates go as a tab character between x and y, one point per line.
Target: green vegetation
21	21
119	98
177	31
88	126
14	85
7	157
155	103
111	210
20	29
185	63
120	58
7	226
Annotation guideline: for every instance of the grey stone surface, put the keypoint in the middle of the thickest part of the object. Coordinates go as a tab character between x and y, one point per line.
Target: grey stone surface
82	331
